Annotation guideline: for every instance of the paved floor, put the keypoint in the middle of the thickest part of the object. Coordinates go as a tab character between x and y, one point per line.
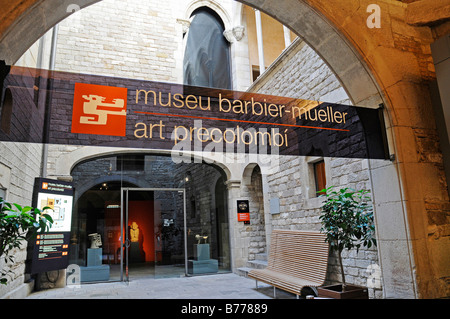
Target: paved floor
221	286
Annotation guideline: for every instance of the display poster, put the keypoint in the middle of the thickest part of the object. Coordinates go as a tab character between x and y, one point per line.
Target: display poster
243	211
50	249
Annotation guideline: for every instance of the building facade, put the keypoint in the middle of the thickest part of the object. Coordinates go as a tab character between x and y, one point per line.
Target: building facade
150	42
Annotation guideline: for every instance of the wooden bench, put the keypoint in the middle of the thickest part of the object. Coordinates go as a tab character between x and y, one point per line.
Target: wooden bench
297	259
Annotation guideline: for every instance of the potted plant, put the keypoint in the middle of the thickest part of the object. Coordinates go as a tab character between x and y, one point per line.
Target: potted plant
347	221
18	224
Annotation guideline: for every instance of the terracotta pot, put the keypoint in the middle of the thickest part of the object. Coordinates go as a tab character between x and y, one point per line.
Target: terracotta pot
335	292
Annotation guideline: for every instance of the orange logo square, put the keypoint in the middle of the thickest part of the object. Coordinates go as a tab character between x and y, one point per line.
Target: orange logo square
44	185
99	109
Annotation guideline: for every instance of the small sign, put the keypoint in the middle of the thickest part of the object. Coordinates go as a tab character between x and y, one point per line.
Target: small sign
50	249
274	205
243	211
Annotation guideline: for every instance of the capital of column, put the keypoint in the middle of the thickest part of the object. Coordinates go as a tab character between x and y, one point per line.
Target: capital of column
185	24
235	33
231	184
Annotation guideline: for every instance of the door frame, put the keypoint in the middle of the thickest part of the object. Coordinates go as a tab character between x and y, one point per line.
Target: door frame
123	222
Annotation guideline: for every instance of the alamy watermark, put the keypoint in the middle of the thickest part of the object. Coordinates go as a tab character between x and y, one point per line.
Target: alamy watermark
374	19
73	276
234	145
374	276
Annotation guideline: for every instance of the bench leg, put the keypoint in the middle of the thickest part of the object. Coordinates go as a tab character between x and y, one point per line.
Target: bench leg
274	292
256	281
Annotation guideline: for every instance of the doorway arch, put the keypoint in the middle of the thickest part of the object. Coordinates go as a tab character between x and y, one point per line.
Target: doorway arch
172	204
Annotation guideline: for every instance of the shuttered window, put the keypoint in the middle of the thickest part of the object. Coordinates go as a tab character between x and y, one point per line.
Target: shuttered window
319	176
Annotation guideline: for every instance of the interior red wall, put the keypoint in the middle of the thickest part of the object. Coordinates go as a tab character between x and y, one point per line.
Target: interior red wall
142	212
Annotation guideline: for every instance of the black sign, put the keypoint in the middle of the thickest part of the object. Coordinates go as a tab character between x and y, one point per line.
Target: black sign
243	211
79	109
49	250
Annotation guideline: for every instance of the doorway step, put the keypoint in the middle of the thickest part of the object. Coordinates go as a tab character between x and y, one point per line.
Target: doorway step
260	262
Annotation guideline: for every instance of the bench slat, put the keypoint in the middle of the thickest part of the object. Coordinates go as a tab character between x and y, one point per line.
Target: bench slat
296	259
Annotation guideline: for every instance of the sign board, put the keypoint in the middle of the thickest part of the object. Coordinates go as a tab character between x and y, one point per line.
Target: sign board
243	211
50	249
103	111
274	205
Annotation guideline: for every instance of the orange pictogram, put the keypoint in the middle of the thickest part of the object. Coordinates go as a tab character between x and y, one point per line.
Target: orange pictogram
99	109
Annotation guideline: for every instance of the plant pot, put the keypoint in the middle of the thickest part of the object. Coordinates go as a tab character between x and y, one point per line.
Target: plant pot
335	292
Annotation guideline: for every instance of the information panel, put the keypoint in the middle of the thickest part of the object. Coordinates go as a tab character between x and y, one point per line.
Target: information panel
50	250
243	211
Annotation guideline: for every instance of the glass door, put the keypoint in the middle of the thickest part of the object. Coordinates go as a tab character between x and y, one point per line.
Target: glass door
165	237
124	235
169	221
96	243
154	233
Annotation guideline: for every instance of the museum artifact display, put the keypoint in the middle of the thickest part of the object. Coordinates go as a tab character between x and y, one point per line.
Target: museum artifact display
96	240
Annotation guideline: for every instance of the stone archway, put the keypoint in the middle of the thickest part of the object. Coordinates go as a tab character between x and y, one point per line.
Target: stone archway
252	182
374	68
64	164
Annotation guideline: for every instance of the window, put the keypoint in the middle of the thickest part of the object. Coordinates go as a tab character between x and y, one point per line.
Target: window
255	72
207	55
319	176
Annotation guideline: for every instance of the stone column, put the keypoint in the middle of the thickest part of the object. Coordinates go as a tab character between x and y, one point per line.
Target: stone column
267	212
238	247
260	41
287	36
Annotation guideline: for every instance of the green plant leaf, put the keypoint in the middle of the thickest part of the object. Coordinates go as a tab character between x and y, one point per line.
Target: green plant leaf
48	217
26	209
18	223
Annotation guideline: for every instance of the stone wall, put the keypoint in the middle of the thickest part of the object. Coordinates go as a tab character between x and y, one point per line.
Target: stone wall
17	180
17	175
94	44
252	236
141	41
300	73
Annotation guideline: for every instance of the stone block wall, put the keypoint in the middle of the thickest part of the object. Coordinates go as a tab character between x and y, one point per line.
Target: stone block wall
17	175
93	43
139	40
253	235
17	180
300	73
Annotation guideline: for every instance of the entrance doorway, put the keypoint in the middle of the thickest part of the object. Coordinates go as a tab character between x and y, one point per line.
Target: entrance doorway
154	218
154	231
